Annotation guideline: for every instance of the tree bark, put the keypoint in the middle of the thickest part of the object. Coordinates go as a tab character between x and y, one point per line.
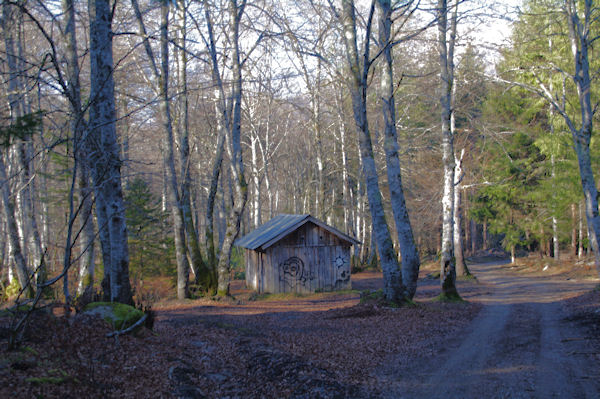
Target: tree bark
461	266
104	154
393	290
23	210
210	203
580	43
78	130
574	229
408	250
12	233
580	246
179	225
230	114
446	51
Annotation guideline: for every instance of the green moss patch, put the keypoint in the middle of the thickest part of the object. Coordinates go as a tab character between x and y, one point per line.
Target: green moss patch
56	377
118	315
448	298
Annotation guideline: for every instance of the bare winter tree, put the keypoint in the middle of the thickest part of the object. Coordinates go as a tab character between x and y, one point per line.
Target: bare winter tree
229	107
78	126
446	51
408	250
358	67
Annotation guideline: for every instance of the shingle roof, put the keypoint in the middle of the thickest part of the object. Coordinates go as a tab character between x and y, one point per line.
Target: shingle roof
280	226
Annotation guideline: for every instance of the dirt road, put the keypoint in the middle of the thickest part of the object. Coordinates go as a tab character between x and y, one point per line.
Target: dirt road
520	346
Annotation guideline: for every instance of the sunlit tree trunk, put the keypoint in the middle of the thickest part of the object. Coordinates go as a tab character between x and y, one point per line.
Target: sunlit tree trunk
256	198
579	36
446	51
393	288
346	192
408	250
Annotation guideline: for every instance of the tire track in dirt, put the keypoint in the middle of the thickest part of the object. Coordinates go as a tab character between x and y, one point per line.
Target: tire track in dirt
519	346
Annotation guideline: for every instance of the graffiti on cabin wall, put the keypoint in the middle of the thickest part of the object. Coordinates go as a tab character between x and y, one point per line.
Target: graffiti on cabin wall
293	272
343	269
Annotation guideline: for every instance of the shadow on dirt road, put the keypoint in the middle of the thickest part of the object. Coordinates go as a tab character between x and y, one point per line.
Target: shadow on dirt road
519	346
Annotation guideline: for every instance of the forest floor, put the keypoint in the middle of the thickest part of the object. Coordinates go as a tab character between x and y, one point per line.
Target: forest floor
522	332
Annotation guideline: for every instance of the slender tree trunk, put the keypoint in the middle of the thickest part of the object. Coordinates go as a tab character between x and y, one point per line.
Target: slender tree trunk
19	209
467	224
179	225
446	50
12	233
192	241
210	203
580	244
256	198
484	233
461	266
346	200
178	209
85	282
574	229
78	129
408	250
233	123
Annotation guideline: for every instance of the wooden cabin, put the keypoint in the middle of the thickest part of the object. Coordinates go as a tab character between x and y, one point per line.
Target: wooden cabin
297	253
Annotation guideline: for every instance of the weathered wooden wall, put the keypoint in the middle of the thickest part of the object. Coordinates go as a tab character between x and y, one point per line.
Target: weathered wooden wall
308	260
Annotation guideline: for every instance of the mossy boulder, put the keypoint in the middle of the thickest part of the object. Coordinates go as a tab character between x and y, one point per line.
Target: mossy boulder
118	315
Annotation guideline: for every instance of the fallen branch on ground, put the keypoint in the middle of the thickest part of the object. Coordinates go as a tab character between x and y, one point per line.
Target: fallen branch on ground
130	328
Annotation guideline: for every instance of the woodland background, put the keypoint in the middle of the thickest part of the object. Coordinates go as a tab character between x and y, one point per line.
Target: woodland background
227	113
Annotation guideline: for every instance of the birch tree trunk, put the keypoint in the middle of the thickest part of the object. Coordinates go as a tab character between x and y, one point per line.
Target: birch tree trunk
579	36
256	198
104	154
461	266
191	235
393	290
346	191
446	51
13	235
78	127
408	250
574	229
183	267
210	203
580	245
22	207
230	108
179	212
240	187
